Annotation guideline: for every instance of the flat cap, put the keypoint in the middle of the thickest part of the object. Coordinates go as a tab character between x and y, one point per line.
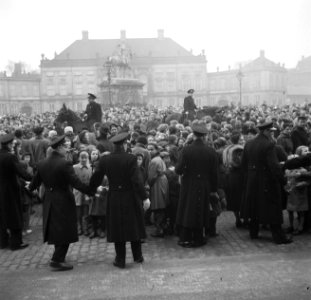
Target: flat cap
119	138
199	128
7	138
92	96
57	141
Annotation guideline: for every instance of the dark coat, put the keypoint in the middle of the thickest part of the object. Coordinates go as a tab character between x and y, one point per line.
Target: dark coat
299	138
189	104
263	181
124	217
10	190
59	207
286	142
198	166
94	113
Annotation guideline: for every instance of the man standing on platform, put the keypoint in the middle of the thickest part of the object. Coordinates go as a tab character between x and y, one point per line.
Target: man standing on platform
93	112
59	207
189	106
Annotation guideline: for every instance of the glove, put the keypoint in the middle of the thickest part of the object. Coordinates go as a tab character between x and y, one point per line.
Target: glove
146	204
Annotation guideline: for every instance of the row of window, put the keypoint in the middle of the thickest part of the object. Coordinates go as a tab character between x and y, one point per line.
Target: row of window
20	90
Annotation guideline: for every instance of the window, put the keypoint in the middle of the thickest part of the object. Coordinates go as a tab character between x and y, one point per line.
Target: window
63	90
50	91
24	91
51	107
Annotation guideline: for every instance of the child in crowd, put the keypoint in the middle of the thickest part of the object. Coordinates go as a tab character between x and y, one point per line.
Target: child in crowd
84	172
98	202
298	181
27	196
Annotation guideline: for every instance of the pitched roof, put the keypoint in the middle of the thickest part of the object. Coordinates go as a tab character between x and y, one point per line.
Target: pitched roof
262	63
140	47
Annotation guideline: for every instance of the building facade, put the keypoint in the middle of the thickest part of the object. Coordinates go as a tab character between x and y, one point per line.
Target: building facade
299	82
260	81
20	92
165	68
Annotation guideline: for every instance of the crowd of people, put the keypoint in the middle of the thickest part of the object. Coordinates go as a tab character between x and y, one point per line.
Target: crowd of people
251	160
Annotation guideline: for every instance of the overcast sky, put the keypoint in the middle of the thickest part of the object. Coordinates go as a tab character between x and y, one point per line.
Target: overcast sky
230	31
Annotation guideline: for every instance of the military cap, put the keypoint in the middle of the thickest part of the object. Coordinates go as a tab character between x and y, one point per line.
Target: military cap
191	91
57	141
199	128
92	96
7	138
266	125
119	138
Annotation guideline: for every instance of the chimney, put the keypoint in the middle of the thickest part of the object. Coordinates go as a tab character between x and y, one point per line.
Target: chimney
17	69
229	67
262	53
85	35
123	35
160	34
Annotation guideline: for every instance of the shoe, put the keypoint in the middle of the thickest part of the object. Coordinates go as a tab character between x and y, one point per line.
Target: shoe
4	246
185	244
60	266
19	247
140	260
119	264
297	232
284	241
198	244
254	236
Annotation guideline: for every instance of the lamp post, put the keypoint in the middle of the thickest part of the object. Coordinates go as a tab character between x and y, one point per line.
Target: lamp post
108	66
240	76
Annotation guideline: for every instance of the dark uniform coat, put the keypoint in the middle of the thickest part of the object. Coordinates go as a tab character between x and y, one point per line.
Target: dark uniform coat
189	106
124	217
263	182
198	166
59	207
11	214
94	113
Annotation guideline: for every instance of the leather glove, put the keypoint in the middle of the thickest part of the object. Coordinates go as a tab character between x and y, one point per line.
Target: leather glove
146	204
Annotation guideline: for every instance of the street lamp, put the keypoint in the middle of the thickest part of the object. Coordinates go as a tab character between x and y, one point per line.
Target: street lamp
240	76
108	66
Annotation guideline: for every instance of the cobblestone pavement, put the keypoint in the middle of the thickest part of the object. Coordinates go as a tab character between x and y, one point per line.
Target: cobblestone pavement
229	266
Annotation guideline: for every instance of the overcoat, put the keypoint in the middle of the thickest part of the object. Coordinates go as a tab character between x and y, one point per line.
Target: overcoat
158	184
198	166
10	190
94	113
59	207
263	181
124	217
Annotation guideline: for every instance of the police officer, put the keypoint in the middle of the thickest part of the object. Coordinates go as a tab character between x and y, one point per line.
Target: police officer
93	112
264	178
59	207
126	199
198	166
189	105
11	213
